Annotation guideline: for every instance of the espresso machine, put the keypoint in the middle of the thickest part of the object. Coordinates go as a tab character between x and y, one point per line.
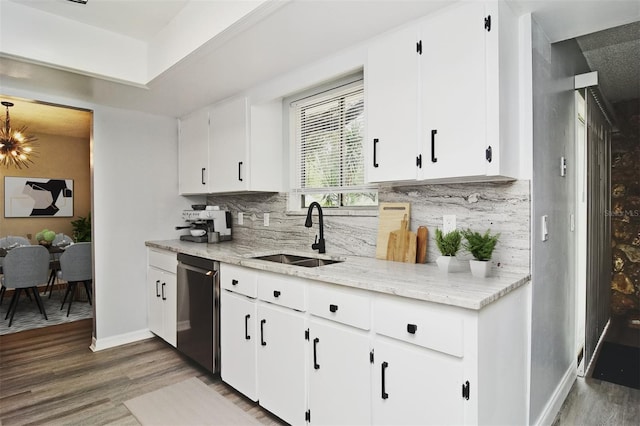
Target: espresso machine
215	222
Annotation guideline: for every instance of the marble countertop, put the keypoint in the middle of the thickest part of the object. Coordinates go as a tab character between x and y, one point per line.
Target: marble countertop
417	281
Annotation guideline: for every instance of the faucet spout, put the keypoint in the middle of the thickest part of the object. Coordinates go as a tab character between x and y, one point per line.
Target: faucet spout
319	242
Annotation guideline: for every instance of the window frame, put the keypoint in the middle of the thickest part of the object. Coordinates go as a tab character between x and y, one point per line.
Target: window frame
295	202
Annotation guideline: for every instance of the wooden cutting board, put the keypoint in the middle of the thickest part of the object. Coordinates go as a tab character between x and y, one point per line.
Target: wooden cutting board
389	219
401	246
421	245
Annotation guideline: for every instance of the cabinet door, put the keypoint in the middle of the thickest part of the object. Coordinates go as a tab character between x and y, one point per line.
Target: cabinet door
281	362
416	386
339	375
193	155
392	101
169	298
229	141
453	93
238	337
154	316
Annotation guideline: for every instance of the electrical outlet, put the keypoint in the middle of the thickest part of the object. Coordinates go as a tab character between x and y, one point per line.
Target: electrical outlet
266	219
448	223
240	218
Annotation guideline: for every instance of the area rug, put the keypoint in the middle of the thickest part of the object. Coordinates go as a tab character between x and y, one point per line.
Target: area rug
190	402
28	317
618	364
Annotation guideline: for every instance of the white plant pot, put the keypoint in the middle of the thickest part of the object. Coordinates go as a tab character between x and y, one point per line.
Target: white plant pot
450	264
480	268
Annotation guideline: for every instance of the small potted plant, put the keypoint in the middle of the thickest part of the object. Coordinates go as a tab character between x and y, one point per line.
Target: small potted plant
481	247
448	244
45	237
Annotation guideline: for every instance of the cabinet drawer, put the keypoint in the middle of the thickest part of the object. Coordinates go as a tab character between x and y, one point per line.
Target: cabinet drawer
283	290
165	260
339	305
421	323
239	280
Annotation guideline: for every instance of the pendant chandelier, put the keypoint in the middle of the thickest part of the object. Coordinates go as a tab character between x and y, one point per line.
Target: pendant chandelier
16	147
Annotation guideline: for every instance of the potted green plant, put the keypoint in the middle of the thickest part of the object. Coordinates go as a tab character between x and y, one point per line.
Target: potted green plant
82	229
481	247
45	237
448	244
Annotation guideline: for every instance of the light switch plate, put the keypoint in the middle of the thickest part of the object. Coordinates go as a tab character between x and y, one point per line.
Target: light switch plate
545	227
266	219
240	218
448	223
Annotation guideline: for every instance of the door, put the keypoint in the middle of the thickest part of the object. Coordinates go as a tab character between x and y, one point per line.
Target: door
416	386
392	102
598	291
193	164
169	299
339	375
230	170
281	362
454	103
238	343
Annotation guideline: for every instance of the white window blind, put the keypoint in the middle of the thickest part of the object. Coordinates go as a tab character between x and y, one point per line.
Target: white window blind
328	133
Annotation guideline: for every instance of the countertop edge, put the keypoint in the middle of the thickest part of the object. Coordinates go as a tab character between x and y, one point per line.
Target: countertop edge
420	282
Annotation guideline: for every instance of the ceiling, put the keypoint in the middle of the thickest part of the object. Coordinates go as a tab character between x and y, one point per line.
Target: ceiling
615	54
130	18
294	35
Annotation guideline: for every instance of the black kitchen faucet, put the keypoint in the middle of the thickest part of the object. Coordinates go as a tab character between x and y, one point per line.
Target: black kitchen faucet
317	245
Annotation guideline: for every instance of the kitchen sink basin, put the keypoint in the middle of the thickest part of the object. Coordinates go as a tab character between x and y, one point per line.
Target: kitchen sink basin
291	259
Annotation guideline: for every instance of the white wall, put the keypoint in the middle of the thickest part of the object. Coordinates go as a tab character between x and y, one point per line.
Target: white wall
553	357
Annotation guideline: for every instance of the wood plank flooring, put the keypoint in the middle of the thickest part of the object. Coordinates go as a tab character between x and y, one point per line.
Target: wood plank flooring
50	376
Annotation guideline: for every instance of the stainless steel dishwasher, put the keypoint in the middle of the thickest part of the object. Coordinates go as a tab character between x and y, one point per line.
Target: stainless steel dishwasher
198	310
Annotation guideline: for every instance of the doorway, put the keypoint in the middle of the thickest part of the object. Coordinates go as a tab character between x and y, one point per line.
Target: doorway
62	152
592	224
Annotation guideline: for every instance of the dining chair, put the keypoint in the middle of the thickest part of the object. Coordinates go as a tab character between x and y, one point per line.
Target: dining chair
25	268
76	267
8	243
61	240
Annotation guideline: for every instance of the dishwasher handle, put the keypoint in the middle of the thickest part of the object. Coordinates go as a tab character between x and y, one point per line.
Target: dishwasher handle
207	272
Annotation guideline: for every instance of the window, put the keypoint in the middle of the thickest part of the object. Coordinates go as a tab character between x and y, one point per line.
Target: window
327	133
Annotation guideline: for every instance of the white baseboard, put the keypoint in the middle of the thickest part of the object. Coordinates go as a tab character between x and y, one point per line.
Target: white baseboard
121	339
554	404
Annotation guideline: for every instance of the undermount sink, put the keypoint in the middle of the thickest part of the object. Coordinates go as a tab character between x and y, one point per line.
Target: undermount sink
291	259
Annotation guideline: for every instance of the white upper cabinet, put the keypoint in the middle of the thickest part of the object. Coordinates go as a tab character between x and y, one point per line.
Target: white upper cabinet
452	109
453	94
193	154
229	141
232	147
392	104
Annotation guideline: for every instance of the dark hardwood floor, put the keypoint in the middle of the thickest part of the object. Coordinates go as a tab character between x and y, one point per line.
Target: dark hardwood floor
50	376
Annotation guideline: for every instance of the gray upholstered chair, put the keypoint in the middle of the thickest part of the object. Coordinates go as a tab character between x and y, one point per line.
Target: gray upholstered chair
25	268
9	243
13	241
61	240
76	267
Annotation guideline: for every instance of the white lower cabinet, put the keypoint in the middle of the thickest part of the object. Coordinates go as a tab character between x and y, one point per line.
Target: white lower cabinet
281	362
238	353
415	386
324	354
162	295
339	375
